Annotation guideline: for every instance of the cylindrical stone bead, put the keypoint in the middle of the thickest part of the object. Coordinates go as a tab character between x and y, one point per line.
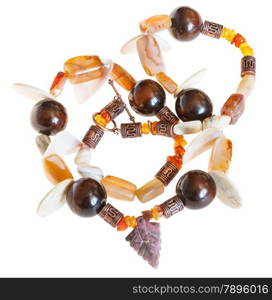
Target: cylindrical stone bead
165	114
165	129
172	206
111	215
168	83
167	173
248	65
234	107
93	136
114	108
122	77
131	130
212	29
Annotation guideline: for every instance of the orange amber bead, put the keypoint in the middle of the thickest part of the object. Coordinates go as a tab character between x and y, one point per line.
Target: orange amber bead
153	127
56	169
238	40
100	120
175	160
157	212
246	49
131	221
106	115
179	150
122	225
58	84
145	128
122	77
228	34
180	141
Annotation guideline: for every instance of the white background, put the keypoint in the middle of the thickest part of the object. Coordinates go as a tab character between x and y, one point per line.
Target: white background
36	38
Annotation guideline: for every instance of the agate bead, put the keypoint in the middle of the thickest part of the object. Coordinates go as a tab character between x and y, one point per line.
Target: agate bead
147	97
196	188
185	23
49	117
86	197
193	104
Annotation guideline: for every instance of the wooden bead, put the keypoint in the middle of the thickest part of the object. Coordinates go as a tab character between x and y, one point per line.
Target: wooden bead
172	206
111	215
167	173
211	29
165	114
164	128
248	65
131	130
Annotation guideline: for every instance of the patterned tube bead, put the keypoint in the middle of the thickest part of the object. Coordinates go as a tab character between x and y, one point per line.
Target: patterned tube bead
211	29
165	114
111	215
114	108
165	129
131	130
248	65
167	173
93	136
172	206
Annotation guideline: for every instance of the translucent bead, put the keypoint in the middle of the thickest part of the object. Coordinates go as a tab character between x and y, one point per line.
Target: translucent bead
88	171
155	24
150	55
218	122
180	141
54	200
179	150
42	142
157	212
234	107
83	68
246	85
122	77
145	128
58	84
166	82
56	169
189	127
83	156
150	190
201	143
228	34
131	221
221	155
122	225
176	160
238	40
246	49
119	188
100	120
131	45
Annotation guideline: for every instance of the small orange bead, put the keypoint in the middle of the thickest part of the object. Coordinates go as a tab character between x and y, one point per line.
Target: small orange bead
106	115
175	160
58	84
238	40
157	212
179	150
100	120
131	221
153	127
145	128
147	215
180	141
122	225
246	49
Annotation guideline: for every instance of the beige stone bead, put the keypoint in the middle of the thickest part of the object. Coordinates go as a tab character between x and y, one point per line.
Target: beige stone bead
246	85
42	142
155	24
221	155
189	127
119	188
150	55
168	83
150	190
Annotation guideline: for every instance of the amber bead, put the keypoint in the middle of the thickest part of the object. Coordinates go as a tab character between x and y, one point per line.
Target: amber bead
180	141
147	215
131	221
176	160
122	77
153	127
156	212
56	169
196	188
122	225
49	117
145	128
106	115
101	120
58	84
234	107
228	34
179	150
246	49
186	23
147	97
193	104
86	197
238	40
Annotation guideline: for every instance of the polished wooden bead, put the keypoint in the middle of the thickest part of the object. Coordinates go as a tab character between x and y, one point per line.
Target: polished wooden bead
186	23
49	117
196	188
86	197
193	104
56	169
147	97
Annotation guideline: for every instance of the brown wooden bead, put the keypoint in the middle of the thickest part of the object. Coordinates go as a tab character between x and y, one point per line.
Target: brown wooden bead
165	128
172	206
212	29
167	173
248	65
165	114
111	215
114	108
131	130
93	136
186	23
49	117
147	97
234	107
